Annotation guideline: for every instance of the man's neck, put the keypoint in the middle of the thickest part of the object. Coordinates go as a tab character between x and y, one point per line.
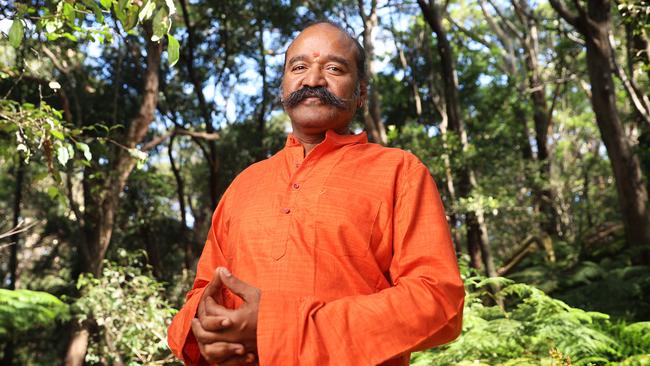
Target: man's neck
309	141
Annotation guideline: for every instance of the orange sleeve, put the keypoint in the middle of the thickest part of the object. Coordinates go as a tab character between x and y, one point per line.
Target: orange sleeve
179	336
422	309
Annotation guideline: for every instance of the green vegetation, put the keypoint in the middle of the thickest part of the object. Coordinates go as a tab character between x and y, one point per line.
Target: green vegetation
23	311
127	306
536	329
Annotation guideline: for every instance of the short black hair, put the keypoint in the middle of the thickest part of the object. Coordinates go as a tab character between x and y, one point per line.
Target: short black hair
362	72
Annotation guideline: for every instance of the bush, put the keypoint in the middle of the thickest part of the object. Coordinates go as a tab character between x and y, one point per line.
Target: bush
130	312
22	311
535	329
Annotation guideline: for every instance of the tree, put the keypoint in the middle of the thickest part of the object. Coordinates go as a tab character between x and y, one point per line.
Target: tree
372	108
594	24
477	235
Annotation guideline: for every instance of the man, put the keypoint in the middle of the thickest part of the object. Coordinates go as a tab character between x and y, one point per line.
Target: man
337	251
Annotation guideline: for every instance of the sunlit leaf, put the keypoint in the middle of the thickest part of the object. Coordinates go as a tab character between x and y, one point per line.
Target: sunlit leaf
62	154
57	134
85	150
137	154
172	50
68	12
171	7
52	192
106	4
16	33
160	24
147	10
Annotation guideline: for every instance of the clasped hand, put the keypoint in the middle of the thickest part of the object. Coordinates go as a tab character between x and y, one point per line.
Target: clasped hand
225	336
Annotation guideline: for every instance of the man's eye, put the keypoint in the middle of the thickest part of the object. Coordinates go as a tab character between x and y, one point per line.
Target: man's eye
334	68
298	68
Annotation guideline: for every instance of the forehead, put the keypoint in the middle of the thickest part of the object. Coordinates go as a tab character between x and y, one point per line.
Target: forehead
322	39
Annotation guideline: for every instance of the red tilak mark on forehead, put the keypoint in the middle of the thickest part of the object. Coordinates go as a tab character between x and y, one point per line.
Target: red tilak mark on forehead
315	53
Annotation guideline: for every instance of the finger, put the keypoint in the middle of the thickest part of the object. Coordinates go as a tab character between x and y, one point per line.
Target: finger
219	352
200	312
215	309
247	360
214	323
205	336
212	289
237	286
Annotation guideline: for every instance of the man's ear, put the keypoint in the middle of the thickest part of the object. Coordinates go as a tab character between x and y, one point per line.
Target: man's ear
363	93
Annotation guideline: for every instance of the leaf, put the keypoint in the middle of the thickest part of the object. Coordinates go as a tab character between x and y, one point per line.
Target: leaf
16	33
147	10
53	192
172	50
160	24
131	19
70	36
106	4
120	12
70	150
62	154
58	135
68	12
137	154
99	17
85	150
171	6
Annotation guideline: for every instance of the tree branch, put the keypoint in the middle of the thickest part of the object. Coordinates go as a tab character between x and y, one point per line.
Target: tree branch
570	18
55	60
179	131
639	100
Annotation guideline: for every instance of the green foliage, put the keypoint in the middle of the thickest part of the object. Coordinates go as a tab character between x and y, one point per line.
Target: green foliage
23	311
69	19
535	329
593	285
39	130
634	338
16	33
128	307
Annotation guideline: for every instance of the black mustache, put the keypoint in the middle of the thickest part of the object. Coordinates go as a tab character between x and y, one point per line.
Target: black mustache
320	92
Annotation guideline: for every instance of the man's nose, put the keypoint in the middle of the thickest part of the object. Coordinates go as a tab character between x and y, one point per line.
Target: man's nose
314	77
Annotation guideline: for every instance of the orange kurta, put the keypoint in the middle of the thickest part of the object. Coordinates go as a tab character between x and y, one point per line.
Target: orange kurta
350	248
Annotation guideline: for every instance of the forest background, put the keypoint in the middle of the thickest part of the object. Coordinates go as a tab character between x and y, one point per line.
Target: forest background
123	121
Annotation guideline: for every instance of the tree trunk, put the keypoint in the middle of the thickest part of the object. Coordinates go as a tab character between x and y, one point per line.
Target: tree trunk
372	109
14	240
77	347
449	176
408	70
180	191
100	219
261	115
205	110
594	23
541	117
477	237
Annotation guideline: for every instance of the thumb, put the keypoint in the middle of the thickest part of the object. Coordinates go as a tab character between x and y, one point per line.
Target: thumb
237	286
212	289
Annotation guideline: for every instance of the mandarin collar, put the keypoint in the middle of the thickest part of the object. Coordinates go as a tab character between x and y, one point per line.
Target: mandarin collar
332	139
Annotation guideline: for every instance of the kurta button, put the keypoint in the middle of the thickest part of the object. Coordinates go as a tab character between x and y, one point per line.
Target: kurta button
296	185
286	210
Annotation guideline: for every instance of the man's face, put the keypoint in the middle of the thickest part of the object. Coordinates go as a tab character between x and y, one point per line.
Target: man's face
321	57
